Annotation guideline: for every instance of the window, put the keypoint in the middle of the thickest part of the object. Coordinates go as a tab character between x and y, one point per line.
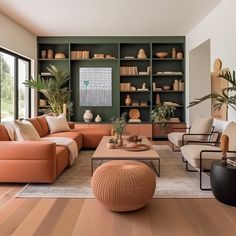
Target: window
15	97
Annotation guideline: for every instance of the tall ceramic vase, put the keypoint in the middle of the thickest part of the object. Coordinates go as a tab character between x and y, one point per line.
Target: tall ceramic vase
88	116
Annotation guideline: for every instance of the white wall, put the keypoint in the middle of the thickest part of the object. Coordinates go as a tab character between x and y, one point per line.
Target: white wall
199	72
19	40
219	27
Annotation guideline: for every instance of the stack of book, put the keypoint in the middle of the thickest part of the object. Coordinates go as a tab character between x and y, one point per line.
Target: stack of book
128	70
79	55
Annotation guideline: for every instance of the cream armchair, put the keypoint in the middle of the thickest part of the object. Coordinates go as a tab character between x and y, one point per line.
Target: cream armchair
200	157
201	130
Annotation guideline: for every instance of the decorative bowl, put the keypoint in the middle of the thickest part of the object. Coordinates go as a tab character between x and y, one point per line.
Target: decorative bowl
166	87
60	55
161	54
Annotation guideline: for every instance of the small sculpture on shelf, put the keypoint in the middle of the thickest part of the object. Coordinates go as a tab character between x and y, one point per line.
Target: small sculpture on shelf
173	53
128	100
50	54
43	54
180	55
141	54
98	119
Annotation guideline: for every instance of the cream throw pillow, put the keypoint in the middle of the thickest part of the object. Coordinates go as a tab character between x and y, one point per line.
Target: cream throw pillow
201	125
57	124
25	131
230	130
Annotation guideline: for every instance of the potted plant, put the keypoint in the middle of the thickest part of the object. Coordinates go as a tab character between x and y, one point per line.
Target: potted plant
118	126
53	88
227	95
161	114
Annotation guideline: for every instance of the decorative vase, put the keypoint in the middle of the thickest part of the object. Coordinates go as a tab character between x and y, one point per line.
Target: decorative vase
158	100
128	101
141	54
98	119
120	141
88	116
43	54
50	54
173	53
180	55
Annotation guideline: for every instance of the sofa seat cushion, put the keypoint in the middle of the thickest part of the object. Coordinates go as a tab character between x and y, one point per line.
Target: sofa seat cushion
176	138
62	159
72	135
191	154
93	136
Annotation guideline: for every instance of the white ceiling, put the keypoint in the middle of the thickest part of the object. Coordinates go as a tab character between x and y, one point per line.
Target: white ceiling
108	17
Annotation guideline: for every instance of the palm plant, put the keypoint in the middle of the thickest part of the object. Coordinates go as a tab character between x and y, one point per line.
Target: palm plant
227	96
53	89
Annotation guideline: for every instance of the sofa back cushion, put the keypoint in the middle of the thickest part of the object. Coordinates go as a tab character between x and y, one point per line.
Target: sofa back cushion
25	131
201	125
230	131
3	134
40	124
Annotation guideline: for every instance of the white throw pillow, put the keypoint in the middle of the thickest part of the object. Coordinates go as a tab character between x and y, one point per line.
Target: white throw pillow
201	125
230	131
57	124
25	131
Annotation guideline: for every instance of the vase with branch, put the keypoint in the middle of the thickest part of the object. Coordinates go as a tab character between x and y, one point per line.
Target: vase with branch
118	126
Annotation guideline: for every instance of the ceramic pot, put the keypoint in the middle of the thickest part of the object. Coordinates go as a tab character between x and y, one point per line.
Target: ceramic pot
88	116
173	53
43	54
98	119
128	101
141	54
50	54
180	55
120	141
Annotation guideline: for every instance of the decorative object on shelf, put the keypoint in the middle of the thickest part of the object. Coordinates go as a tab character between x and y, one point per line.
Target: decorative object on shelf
169	73
128	57
88	116
79	55
42	102
132	88
98	56
166	87
176	85
128	70
181	85
179	55
224	146
141	54
171	104
149	70
98	119
43	54
125	87
134	113
161	114
109	57
96	86
50	54
53	89
154	86
161	54
118	126
143	73
143	103
135	103
60	55
158	100
144	86
128	100
173	53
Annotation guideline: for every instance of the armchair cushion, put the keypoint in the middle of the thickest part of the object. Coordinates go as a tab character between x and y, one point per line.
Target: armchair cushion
230	130
201	125
191	154
176	138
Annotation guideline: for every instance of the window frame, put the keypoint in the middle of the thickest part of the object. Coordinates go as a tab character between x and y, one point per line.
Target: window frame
16	80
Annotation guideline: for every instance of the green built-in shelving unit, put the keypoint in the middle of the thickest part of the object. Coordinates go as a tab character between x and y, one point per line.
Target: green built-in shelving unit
120	48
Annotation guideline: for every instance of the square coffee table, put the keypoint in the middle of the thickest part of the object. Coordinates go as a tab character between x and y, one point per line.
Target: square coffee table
103	153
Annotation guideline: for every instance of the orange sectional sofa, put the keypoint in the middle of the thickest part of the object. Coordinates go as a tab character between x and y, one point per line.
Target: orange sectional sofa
41	161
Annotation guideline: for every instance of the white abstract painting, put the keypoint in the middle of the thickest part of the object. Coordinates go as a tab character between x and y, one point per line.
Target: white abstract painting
96	86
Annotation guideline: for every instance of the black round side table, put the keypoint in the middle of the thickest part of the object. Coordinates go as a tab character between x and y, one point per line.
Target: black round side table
223	182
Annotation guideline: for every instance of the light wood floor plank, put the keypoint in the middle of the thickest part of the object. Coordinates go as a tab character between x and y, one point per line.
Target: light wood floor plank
29	225
68	219
15	219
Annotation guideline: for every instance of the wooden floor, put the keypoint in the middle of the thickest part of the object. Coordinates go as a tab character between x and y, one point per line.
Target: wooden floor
85	217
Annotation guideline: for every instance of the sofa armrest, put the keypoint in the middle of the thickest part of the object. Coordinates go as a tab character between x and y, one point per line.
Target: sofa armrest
71	124
28	150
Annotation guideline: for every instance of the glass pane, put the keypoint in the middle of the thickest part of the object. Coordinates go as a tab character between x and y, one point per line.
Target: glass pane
23	92
7	86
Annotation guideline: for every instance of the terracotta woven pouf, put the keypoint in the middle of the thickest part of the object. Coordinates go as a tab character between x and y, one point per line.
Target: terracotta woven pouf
123	185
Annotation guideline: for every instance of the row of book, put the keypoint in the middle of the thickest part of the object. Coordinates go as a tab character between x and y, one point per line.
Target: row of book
128	70
79	55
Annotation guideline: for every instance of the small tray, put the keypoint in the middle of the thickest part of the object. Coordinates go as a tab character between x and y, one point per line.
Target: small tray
139	148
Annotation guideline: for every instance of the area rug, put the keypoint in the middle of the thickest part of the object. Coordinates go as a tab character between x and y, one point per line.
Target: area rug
175	181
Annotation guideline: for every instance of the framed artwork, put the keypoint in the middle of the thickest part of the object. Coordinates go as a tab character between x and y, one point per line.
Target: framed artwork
95	86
